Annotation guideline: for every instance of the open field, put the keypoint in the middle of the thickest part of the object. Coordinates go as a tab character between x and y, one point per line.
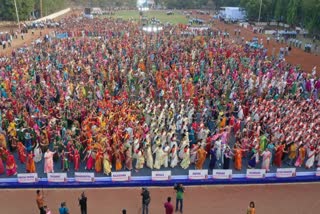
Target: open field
177	18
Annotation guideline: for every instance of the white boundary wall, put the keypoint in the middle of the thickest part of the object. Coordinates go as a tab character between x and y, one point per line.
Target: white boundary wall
54	15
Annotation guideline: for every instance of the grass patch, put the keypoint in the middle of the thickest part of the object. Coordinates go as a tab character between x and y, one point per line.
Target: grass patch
177	18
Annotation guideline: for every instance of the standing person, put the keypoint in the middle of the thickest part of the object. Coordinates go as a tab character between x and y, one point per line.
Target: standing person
47	210
301	156
226	157
40	202
63	209
251	209
279	153
201	157
30	165
179	197
83	203
168	206
185	156
266	157
145	200
311	157
11	166
213	157
48	163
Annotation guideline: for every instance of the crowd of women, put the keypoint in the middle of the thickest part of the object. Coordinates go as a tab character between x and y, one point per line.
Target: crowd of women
118	98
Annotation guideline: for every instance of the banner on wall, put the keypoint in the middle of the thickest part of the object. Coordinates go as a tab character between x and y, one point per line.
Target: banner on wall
84	176
256	173
27	177
57	177
286	172
318	171
120	176
161	175
198	174
222	174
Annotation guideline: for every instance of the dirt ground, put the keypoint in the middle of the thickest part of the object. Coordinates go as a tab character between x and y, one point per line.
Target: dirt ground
296	56
284	198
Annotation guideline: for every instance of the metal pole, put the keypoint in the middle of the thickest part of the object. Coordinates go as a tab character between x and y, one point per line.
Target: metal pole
260	12
40	8
15	5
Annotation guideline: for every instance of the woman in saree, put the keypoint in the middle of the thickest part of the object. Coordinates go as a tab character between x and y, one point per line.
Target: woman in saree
159	157
48	161
266	159
76	159
37	153
1	166
193	153
226	157
149	157
128	158
254	158
140	160
21	152
89	159
118	159
213	157
280	149
64	161
174	156
185	157
98	161
106	164
11	166
30	165
301	156
238	157
201	157
311	157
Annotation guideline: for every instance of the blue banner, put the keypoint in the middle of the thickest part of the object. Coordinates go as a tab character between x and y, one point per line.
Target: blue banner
61	35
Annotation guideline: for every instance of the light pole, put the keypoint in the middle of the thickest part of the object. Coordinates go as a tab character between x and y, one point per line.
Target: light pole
260	11
15	5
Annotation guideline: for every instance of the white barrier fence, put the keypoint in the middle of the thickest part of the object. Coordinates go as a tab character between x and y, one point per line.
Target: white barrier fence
217	174
53	16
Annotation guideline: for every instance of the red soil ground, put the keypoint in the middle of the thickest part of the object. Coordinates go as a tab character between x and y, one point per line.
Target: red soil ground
296	57
284	198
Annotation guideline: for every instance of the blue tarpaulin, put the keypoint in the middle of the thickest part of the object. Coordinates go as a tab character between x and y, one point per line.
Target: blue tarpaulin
62	35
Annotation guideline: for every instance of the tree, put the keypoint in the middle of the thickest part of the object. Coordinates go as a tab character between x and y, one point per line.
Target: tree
280	10
311	16
7	10
252	8
294	7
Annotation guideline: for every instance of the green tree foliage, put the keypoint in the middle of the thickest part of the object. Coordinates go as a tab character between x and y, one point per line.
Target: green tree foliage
293	12
253	8
311	15
27	7
280	10
8	12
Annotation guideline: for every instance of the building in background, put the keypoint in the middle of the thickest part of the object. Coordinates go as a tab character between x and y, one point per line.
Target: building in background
232	14
145	4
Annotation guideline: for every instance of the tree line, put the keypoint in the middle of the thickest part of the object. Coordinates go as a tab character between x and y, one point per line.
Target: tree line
29	9
302	13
